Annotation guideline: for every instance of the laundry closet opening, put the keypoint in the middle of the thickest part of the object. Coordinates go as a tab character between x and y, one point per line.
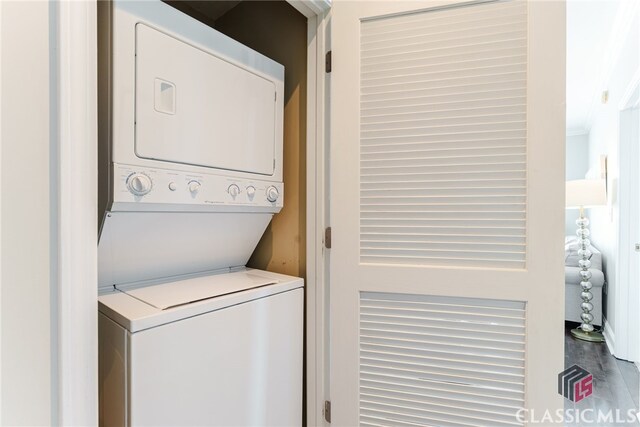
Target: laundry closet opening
202	112
277	30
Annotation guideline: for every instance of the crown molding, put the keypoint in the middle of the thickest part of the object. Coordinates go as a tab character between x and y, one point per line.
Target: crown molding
621	28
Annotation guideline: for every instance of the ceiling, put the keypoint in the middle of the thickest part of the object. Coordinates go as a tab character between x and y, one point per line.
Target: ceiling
589	27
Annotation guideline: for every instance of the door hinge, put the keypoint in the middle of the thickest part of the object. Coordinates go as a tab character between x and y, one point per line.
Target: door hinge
327	411
327	237
327	62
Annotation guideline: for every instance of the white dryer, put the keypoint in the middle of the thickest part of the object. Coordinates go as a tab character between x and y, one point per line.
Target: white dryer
216	350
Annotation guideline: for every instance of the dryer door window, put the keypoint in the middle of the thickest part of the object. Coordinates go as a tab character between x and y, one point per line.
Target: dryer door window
195	108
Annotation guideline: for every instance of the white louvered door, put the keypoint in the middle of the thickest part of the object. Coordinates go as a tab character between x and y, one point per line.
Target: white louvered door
447	211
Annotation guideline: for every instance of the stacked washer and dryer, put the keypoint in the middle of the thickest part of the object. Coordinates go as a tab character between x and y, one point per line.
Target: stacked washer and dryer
191	175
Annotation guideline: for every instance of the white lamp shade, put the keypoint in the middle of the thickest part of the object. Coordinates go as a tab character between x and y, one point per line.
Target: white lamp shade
584	193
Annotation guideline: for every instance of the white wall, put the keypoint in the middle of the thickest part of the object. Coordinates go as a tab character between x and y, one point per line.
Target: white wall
603	139
577	164
27	344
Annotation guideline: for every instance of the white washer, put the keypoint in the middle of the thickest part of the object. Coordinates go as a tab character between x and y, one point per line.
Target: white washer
216	350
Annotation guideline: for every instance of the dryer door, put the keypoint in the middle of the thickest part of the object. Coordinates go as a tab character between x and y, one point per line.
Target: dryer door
195	108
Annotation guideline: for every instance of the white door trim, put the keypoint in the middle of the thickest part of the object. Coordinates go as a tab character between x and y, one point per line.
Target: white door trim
311	8
0	216
77	239
77	210
316	286
627	302
317	221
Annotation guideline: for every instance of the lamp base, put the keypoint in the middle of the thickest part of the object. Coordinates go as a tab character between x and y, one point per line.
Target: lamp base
587	336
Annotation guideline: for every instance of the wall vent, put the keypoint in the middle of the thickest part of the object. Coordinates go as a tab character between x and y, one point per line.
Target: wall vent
440	361
443	130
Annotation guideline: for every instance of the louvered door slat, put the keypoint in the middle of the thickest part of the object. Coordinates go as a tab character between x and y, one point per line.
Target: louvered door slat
446	360
443	131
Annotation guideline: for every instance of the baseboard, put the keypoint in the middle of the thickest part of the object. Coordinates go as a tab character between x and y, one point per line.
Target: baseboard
609	336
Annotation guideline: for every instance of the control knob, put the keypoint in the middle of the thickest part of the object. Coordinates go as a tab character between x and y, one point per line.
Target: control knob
272	194
139	184
194	186
251	191
233	190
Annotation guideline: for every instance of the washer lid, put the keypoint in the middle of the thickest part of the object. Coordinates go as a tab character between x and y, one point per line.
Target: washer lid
174	294
224	291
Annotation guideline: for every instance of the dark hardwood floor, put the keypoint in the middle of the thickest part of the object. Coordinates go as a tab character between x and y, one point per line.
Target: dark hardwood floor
616	382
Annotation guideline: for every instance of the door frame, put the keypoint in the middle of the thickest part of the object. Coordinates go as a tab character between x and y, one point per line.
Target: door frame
316	286
626	343
76	143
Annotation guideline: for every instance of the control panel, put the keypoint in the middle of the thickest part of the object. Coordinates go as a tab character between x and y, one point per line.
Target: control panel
145	186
